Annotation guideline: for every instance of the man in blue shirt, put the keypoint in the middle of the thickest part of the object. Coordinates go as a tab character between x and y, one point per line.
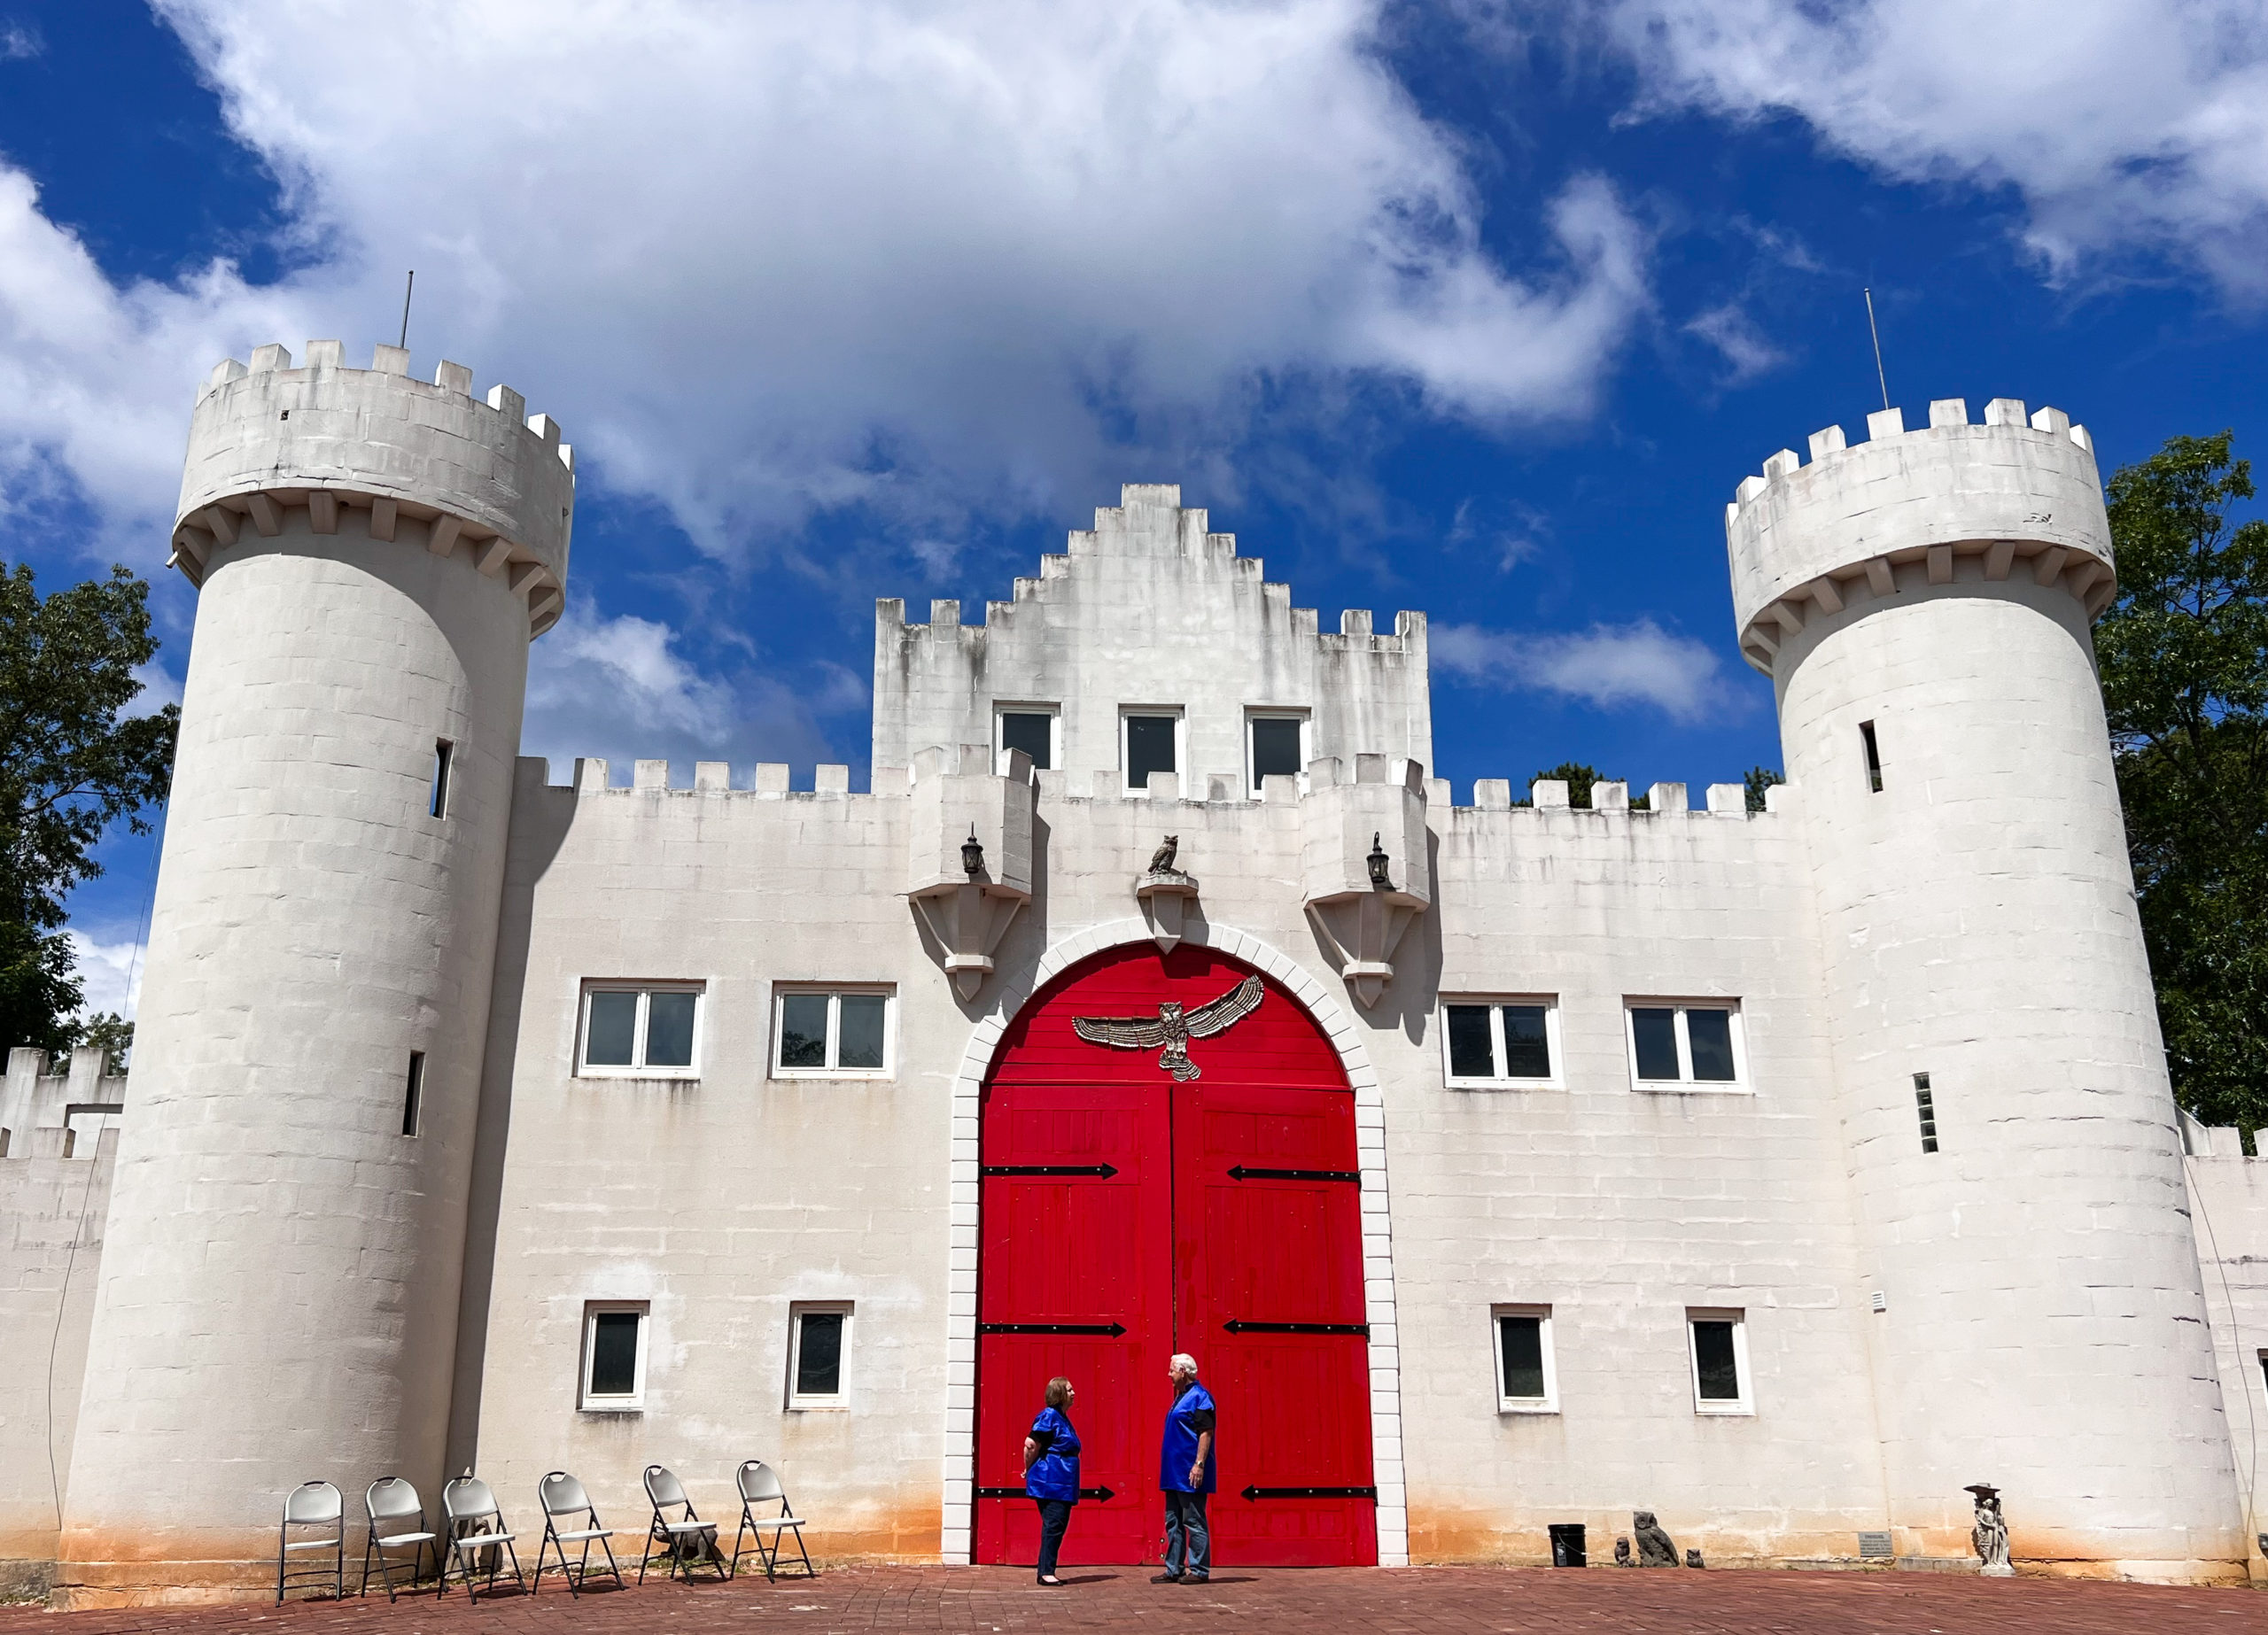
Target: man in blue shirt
1185	1473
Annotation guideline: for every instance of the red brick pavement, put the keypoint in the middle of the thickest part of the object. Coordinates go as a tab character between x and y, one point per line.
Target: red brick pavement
978	1600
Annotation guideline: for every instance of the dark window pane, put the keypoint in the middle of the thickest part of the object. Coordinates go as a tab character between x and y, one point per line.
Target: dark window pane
860	1044
1523	1342
612	1030
1029	731
818	1359
1710	1033
1149	748
668	1030
1527	1050
1655	1033
614	1354
1471	1054
802	1030
1275	747
1712	1359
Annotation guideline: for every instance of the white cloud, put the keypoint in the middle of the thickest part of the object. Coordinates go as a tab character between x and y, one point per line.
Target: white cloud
766	259
620	689
1611	666
2121	126
19	42
110	973
1746	351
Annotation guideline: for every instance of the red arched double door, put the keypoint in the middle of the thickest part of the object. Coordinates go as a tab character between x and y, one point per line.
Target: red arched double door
1140	1201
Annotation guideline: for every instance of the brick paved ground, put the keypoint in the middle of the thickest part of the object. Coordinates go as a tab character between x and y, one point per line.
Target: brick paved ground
1421	1601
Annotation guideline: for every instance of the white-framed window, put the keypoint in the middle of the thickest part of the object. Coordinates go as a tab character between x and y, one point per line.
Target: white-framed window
1527	1379
1277	743
614	1356
1036	729
1717	1346
833	1032
818	1354
1686	1043
1150	740
1500	1042
640	1030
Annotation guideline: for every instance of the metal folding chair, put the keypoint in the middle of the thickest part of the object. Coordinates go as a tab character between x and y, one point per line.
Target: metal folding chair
316	1505
759	1485
685	1532
389	1501
476	1523
563	1499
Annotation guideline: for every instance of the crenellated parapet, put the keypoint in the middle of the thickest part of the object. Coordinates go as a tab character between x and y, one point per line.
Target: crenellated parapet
1910	509
374	451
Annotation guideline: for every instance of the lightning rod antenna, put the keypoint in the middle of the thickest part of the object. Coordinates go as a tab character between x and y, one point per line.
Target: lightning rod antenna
410	288
1883	379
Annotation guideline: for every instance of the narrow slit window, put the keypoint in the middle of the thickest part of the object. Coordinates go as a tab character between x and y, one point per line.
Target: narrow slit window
1925	1107
413	1094
818	1368
1874	755
444	752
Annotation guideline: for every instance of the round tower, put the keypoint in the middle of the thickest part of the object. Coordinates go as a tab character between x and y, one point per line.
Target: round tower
1922	603
278	1297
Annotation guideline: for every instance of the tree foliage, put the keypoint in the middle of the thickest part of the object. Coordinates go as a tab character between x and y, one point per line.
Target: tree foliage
72	763
1578	777
1754	782
2184	659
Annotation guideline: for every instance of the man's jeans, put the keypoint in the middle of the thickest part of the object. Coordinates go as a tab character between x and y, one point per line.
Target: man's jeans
1189	1548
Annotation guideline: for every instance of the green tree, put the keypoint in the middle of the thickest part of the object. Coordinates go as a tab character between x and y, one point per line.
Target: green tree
1755	781
2184	659
1578	777
71	764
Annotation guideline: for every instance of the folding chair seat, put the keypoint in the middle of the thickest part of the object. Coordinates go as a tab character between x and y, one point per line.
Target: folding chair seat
397	1522
476	1523
314	1504
679	1532
564	1500
759	1486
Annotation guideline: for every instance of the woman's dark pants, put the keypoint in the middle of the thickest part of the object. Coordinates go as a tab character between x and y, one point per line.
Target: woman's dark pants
1055	1516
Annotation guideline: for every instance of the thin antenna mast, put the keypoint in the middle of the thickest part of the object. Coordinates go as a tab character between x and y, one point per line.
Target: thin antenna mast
1876	350
410	288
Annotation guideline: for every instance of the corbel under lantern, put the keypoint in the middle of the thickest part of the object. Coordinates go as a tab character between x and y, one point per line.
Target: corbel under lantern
967	891
1369	866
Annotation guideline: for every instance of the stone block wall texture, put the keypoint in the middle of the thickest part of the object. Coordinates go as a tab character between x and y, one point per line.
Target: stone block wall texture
56	1164
2045	1328
279	1288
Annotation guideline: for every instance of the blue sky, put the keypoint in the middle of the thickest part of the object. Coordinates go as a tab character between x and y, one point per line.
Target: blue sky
1482	308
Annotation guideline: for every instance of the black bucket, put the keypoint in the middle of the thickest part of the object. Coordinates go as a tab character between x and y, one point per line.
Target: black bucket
1567	1545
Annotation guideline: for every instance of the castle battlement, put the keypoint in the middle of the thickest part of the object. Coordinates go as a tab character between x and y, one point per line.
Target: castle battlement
379	453
1906	510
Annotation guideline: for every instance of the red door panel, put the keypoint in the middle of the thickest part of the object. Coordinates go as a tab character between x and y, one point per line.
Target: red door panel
1187	1235
1259	1253
1080	1251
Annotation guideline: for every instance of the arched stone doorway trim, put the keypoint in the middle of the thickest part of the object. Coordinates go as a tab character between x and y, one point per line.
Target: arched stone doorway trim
1378	1233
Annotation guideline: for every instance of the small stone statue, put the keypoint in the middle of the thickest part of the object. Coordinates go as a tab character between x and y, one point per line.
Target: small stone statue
1693	1560
1655	1547
1990	1535
1622	1554
1161	859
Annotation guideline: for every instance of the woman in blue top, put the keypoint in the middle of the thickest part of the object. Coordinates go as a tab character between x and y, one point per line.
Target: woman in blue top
1052	1473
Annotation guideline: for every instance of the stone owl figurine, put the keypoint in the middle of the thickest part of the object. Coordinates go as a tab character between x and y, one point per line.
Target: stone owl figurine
1161	859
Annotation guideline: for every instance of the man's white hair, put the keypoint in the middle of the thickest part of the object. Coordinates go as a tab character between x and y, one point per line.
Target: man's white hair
1182	1362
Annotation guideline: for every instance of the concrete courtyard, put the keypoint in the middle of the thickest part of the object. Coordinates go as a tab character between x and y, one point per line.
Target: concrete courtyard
1414	1601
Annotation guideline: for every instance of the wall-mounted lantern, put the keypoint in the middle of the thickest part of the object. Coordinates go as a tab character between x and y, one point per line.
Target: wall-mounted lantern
972	856
1378	861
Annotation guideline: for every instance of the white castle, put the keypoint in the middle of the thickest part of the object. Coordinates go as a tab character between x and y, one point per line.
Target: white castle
1783	1172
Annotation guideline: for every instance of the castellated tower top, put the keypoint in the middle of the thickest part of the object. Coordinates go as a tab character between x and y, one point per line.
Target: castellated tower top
1803	537
483	478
